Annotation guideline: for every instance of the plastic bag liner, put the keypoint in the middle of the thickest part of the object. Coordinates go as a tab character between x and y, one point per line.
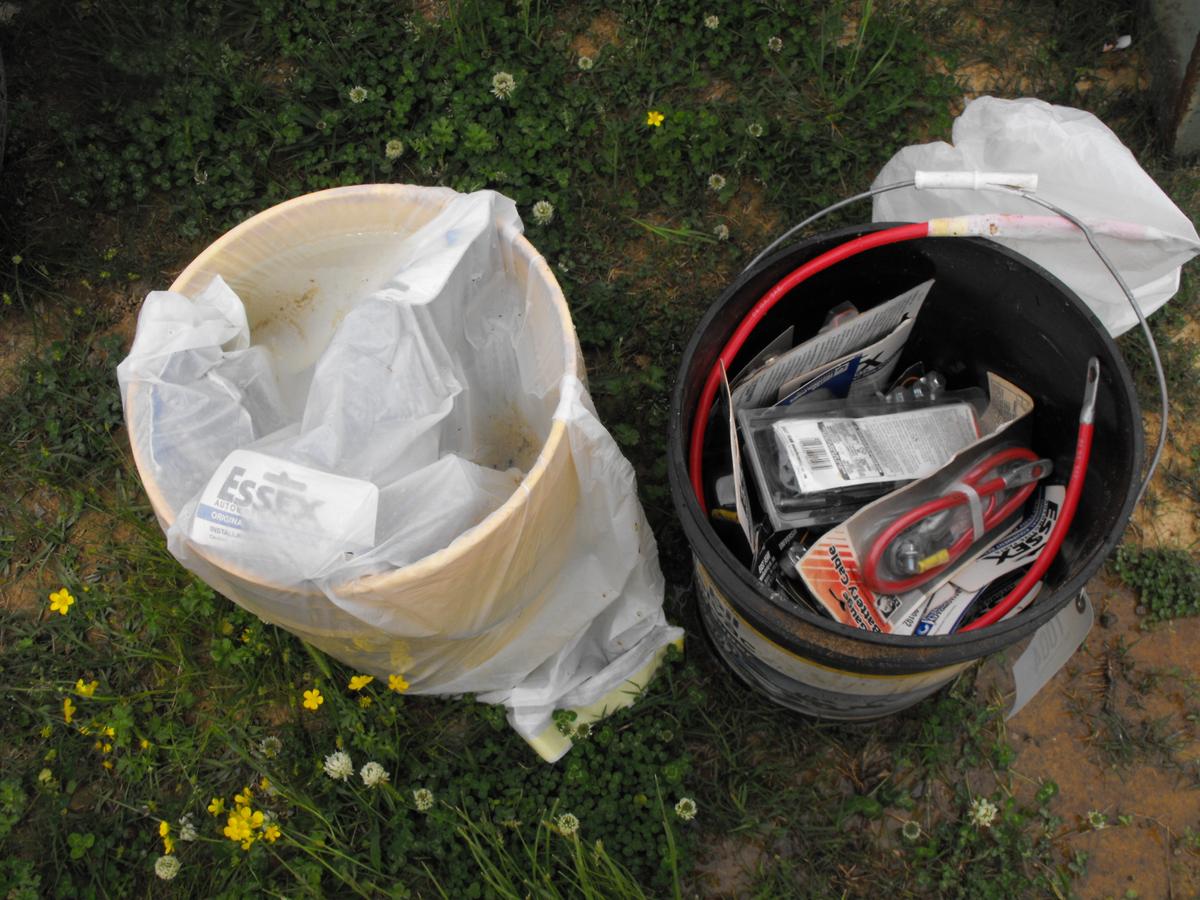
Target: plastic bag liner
1083	168
430	493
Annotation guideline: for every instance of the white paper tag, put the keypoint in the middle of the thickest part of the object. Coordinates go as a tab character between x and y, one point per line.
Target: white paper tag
834	453
277	515
739	476
1052	645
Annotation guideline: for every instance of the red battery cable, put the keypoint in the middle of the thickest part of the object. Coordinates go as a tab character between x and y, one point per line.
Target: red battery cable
988	484
1083	453
818	264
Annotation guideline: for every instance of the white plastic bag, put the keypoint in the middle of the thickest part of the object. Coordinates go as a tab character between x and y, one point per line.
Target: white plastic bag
387	502
1083	168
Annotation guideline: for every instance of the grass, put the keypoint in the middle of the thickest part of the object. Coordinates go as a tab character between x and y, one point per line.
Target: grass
137	133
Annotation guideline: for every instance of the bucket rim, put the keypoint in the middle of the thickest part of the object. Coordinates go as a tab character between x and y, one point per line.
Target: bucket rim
839	642
509	513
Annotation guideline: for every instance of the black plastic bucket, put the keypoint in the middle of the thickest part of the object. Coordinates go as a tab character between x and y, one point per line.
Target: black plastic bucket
990	310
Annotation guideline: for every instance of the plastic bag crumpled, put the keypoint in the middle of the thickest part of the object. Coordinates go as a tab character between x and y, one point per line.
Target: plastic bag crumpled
1083	168
349	502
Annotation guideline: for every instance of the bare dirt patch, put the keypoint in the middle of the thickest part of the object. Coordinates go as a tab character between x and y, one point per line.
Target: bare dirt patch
729	867
1116	730
717	91
603	31
28	592
1170	518
753	221
16	344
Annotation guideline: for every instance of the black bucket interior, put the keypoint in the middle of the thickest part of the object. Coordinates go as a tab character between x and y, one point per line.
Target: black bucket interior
989	310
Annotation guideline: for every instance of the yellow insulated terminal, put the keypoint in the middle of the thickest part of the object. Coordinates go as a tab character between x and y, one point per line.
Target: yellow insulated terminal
933	561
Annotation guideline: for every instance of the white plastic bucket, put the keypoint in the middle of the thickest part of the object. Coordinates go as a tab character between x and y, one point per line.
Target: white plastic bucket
298	268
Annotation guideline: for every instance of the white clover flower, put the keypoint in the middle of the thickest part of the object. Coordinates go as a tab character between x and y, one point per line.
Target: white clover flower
339	766
585	63
423	799
373	774
503	84
716	181
543	212
166	867
721	232
711	22
754	129
394	148
567	824
910	830
582	732
358	94
187	828
686	809
1097	820
270	746
775	44
982	812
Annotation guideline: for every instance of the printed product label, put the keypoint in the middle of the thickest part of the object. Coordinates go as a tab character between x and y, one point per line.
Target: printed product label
859	694
260	507
834	453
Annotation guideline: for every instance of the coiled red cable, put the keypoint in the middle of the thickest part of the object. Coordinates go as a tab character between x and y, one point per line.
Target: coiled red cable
989	490
1083	453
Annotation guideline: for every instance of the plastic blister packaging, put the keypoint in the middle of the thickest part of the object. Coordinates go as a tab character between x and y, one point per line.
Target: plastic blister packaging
818	465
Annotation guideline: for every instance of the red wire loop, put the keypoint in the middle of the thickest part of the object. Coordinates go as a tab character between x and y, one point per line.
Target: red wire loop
993	514
1083	453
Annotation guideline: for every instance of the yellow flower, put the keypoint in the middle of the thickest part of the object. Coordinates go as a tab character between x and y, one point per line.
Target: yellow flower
144	744
60	601
109	731
96	746
246	636
364	701
163	828
246	844
86	690
313	699
243	799
237	829
107	764
68	710
264	784
252	818
46	731
397	683
107	748
358	682
271	833
168	845
654	118
216	807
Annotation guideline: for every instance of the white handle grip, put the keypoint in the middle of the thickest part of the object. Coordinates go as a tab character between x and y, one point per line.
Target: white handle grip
976	181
